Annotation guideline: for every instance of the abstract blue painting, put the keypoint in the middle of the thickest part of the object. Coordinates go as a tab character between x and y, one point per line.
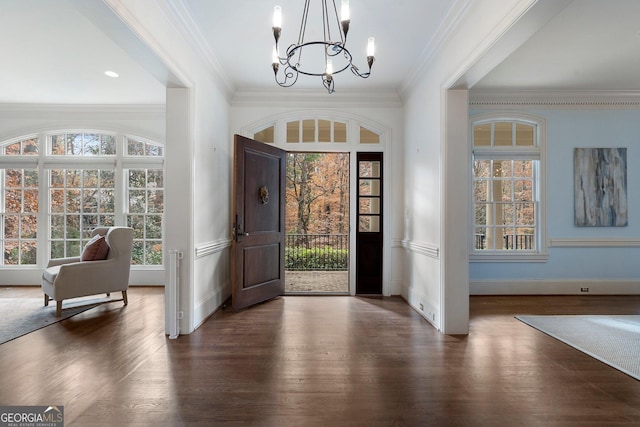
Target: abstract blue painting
600	187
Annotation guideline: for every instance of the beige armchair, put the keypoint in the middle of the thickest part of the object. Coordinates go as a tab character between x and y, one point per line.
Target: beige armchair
67	278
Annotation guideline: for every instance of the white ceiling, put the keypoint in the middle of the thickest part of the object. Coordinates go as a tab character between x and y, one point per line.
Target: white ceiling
240	34
52	53
56	51
590	45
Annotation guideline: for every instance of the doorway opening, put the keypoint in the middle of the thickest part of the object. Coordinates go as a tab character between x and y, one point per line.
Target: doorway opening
317	223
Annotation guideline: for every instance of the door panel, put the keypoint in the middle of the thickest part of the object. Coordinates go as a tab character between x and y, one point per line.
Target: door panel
257	250
369	221
268	257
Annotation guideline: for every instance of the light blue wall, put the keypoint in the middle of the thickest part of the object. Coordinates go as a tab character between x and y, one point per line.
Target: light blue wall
566	130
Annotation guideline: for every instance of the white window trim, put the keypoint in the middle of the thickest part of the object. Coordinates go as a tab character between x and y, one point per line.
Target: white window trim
540	255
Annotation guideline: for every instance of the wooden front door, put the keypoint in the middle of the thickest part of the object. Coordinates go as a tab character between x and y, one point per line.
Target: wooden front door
257	251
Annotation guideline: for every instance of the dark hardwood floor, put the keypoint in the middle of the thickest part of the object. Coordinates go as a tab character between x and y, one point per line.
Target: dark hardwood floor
306	361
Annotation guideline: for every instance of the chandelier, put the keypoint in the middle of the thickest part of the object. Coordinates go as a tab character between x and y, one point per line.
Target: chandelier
334	55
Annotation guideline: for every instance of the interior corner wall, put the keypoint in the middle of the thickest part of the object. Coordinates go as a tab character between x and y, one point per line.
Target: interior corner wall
601	259
198	201
478	28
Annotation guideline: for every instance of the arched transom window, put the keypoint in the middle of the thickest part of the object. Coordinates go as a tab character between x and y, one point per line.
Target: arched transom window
319	131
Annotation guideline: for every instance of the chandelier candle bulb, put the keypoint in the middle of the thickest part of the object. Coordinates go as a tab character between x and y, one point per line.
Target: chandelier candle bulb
329	69
345	10
371	47
277	23
277	17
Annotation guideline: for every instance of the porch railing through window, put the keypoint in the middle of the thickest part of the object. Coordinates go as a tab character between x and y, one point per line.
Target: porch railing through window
518	241
316	252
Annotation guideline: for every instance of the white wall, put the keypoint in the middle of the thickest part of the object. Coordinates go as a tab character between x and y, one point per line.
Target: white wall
146	121
604	259
431	278
212	203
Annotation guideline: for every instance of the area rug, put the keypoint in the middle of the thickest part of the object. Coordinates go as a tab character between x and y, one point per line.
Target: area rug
20	316
614	340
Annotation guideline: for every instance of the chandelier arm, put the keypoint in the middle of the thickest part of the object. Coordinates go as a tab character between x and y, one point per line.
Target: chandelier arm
290	77
357	72
327	82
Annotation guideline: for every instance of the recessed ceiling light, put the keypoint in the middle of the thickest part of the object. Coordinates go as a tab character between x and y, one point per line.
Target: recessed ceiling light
112	74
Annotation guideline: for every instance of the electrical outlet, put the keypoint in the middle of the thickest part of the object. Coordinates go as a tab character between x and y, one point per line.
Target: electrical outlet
584	289
421	307
432	316
180	315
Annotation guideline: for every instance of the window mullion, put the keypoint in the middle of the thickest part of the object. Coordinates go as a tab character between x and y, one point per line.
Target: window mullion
43	201
120	197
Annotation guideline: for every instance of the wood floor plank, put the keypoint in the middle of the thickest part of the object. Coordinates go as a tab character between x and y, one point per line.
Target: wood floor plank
319	361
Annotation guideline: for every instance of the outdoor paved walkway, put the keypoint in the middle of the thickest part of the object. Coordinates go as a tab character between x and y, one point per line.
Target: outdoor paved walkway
316	281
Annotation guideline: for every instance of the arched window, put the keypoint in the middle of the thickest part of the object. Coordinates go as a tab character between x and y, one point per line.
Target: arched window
316	131
507	185
58	186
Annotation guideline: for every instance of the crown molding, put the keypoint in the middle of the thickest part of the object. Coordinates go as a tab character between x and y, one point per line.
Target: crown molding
555	100
150	109
442	33
279	97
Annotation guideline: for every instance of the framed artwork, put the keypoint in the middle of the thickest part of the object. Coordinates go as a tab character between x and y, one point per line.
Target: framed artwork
600	187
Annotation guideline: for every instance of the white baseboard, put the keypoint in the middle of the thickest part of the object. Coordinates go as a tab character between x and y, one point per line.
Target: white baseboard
210	304
33	277
556	287
429	312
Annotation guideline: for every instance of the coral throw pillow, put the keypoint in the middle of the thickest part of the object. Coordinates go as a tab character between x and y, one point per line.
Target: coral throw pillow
95	249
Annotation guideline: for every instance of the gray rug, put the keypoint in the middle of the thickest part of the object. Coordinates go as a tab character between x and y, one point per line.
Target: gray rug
614	340
20	316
